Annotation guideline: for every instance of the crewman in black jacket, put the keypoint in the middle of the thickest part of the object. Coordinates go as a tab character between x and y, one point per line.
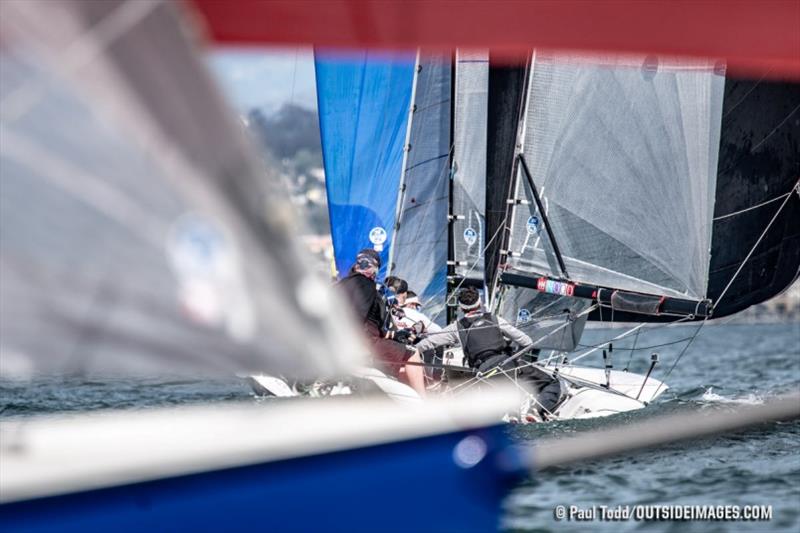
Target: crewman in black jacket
369	307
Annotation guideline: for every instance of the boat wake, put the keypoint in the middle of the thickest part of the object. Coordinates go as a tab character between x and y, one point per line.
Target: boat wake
751	399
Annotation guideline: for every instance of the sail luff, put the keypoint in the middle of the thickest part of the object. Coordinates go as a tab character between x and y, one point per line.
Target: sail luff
420	242
398	217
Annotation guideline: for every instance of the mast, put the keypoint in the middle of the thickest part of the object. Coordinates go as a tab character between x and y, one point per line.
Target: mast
451	283
507	94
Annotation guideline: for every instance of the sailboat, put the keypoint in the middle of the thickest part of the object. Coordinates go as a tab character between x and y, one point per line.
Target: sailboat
437	235
115	133
525	180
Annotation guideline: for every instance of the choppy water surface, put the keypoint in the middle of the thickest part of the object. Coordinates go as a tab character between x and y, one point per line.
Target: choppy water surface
726	364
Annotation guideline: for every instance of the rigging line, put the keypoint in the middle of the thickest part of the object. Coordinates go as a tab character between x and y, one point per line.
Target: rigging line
529	394
743	98
641	347
630	358
631	332
782	196
753	249
762	141
680	355
521	326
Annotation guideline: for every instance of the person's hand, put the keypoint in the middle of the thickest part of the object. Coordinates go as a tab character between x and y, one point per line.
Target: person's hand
404	336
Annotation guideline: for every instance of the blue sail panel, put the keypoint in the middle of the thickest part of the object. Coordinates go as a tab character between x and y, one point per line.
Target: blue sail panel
364	100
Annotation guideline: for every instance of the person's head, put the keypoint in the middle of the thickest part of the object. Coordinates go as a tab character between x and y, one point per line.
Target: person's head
469	299
399	287
368	262
412	300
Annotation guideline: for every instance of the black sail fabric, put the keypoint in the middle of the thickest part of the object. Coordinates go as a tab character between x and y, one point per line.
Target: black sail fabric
758	164
506	95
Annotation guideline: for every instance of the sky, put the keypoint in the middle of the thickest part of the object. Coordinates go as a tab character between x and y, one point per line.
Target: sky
266	78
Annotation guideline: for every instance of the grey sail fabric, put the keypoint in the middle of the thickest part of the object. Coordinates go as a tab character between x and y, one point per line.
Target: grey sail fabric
419	251
137	236
553	322
469	162
624	153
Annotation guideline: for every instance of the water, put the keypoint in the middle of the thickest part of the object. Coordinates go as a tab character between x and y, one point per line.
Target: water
726	365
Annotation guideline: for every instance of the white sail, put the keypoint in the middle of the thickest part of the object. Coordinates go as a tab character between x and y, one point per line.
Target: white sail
419	250
608	139
138	235
553	322
469	162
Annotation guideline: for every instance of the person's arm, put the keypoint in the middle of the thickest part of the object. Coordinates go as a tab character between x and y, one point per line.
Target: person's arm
522	340
431	326
446	337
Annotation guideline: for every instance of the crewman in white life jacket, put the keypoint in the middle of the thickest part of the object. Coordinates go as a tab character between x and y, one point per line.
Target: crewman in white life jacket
405	312
416	319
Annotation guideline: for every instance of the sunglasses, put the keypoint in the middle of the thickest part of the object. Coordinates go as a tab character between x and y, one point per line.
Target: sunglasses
365	263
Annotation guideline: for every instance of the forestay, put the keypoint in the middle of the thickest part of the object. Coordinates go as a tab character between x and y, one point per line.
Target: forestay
623	152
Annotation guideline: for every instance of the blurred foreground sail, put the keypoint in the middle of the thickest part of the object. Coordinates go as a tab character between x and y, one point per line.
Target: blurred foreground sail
137	234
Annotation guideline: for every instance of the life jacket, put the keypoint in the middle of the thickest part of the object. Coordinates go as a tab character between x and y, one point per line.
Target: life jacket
480	337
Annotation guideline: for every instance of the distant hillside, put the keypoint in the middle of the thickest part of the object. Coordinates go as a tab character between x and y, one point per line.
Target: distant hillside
288	131
290	138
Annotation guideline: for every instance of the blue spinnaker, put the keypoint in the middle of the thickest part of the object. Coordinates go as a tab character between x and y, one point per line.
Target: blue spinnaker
364	100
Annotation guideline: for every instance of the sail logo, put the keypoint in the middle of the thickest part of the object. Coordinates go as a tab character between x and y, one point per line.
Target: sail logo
470	236
523	316
533	225
377	236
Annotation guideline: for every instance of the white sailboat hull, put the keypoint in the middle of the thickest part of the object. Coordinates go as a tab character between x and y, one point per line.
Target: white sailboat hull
585	396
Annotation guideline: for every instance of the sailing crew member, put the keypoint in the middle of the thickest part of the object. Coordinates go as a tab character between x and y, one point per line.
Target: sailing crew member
388	344
398	287
483	338
414	318
480	334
